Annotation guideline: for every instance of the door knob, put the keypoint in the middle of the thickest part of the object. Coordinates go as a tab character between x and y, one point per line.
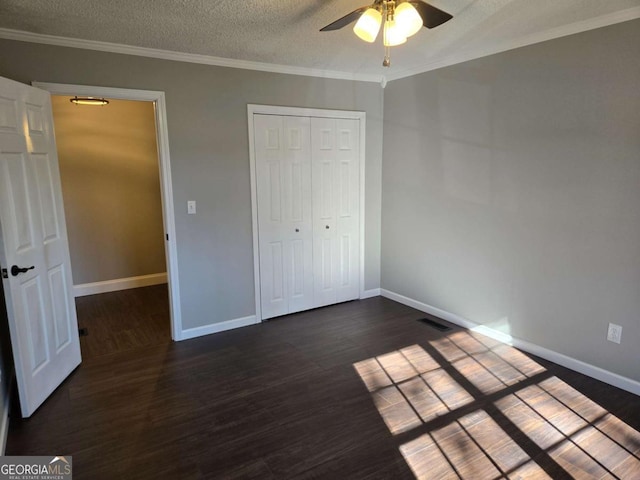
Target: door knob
297	229
16	270
327	227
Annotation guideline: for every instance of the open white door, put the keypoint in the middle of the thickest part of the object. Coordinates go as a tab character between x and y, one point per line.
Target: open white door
33	236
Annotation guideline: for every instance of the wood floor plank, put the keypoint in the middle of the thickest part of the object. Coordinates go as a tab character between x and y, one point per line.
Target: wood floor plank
360	390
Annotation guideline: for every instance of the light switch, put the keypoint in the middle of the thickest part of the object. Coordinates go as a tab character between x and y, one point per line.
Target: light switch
191	207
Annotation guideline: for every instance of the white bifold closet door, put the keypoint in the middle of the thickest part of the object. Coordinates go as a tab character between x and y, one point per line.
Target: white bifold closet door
336	197
307	181
283	172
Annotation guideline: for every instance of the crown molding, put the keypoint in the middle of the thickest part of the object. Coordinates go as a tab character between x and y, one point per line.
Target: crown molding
459	57
30	37
563	31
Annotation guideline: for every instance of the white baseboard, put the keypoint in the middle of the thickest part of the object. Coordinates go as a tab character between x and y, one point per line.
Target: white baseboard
423	307
374	292
119	284
218	327
592	371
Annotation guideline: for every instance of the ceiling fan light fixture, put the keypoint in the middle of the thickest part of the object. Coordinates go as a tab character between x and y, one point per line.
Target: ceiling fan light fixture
408	19
368	26
89	101
400	19
393	34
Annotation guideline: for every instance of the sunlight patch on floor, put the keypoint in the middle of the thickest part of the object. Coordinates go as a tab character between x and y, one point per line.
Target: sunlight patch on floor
411	388
472	447
487	363
579	435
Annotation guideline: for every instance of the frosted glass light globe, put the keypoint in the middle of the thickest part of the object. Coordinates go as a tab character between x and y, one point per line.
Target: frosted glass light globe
368	25
408	19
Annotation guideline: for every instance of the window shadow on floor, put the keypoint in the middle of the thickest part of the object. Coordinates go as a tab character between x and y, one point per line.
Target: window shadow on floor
466	406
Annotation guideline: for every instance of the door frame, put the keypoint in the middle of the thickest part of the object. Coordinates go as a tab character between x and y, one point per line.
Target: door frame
166	189
301	112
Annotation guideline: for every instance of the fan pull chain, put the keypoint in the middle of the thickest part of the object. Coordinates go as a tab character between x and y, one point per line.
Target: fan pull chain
387	50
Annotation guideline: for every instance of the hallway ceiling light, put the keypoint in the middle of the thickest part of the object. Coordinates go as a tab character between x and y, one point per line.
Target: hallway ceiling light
89	101
398	22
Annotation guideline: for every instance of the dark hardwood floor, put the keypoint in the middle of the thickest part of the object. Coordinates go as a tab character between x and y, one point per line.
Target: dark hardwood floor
358	390
125	320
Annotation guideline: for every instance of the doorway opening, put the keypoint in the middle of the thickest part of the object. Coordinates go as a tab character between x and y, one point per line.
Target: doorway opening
116	184
108	162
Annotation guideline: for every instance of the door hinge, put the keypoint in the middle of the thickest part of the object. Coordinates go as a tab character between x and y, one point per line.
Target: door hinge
5	274
167	236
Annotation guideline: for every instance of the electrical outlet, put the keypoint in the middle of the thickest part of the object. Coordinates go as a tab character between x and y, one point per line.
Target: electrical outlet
614	334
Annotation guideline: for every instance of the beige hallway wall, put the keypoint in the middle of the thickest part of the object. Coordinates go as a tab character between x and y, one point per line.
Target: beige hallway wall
111	188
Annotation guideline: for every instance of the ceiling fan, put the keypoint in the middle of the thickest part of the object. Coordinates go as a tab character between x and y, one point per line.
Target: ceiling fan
400	20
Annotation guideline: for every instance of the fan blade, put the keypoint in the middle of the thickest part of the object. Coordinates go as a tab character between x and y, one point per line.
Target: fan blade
431	16
346	20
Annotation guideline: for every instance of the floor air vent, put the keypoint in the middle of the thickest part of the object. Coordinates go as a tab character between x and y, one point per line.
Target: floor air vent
433	324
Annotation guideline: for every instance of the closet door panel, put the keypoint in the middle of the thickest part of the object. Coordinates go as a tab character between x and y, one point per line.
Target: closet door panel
298	214
324	185
347	176
271	199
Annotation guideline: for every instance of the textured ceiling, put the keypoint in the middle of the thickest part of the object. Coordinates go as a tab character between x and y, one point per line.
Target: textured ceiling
286	32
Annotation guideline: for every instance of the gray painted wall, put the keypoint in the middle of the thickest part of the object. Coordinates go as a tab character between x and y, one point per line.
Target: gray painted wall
111	186
511	193
207	123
